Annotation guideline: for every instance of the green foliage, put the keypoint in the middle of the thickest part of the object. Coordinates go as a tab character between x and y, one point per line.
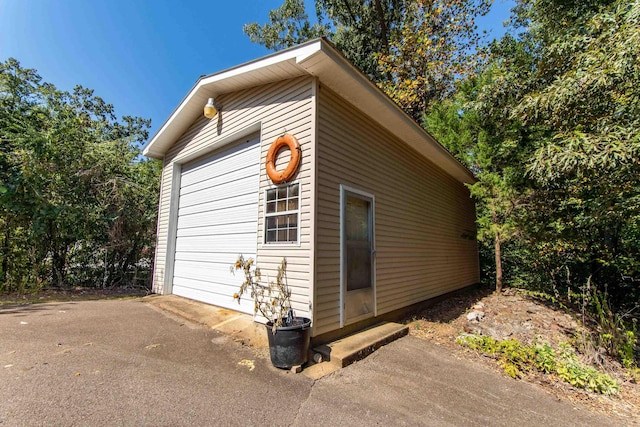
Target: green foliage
517	359
571	370
633	375
414	50
78	206
435	45
550	127
615	335
545	358
584	91
361	29
627	349
288	26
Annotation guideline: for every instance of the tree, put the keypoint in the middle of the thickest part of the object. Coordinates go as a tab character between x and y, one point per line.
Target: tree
585	91
70	177
360	29
552	122
413	50
288	26
490	146
435	45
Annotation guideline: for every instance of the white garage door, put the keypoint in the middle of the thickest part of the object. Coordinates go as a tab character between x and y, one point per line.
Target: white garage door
217	220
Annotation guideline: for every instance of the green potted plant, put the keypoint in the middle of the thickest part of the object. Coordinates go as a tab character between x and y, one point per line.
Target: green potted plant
288	334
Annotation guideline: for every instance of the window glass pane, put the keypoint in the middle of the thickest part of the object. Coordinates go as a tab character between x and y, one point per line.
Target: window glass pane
357	224
271	223
271	194
293	234
358	242
293	204
271	207
282	193
293	190
282	235
271	236
282	206
293	220
358	266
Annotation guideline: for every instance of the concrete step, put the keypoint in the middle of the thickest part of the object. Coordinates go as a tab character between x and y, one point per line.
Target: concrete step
355	347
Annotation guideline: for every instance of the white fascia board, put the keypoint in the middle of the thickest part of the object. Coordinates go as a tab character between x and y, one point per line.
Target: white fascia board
155	147
205	87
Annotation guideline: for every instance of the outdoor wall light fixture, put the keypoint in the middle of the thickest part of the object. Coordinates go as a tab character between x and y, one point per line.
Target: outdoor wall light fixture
210	110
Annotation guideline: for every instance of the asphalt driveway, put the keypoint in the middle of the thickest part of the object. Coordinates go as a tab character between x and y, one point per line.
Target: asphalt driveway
124	363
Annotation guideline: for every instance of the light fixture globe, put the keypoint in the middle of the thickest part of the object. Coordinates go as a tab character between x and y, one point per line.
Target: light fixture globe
210	110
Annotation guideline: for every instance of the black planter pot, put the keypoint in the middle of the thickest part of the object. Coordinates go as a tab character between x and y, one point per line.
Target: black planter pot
289	345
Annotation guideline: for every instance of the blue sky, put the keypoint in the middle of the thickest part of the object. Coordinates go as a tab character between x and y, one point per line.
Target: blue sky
142	56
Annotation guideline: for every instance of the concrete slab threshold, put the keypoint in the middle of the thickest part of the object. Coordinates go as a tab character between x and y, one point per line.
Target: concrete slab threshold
355	347
239	326
335	355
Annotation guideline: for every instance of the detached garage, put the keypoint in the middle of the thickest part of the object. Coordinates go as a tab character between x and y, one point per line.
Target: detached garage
375	218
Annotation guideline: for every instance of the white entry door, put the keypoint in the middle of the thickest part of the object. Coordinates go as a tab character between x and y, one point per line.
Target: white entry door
357	271
217	221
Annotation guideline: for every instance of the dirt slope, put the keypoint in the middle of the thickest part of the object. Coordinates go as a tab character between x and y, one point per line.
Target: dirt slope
517	315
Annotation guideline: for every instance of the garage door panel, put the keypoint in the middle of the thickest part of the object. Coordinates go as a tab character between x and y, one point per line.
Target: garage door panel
228	244
223	260
213	272
230	215
219	205
218	166
234	176
205	292
221	229
221	193
222	161
217	221
216	171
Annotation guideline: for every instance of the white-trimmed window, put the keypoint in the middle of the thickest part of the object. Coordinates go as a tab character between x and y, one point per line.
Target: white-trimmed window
282	214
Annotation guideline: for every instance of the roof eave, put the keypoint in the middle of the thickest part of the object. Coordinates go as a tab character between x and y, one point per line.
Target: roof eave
317	58
340	74
207	87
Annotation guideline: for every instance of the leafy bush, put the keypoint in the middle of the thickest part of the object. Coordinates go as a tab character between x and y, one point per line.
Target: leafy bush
616	336
517	359
570	369
78	205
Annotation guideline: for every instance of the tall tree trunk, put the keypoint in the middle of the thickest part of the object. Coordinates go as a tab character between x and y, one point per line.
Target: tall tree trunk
384	30
498	264
59	250
5	254
59	262
498	256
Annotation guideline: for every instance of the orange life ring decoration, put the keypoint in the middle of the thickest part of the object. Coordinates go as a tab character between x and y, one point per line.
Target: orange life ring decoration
294	146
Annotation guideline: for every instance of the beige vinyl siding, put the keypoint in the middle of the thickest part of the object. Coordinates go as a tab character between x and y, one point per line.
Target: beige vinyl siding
162	244
275	108
422	215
